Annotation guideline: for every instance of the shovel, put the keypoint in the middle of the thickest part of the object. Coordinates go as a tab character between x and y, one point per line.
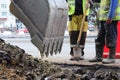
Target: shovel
82	24
77	50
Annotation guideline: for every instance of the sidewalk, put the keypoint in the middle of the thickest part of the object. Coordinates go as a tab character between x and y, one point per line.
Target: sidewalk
92	33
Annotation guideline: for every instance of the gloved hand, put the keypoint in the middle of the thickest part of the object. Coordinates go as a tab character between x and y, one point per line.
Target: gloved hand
108	21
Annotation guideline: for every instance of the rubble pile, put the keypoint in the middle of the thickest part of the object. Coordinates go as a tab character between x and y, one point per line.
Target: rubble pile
16	64
93	72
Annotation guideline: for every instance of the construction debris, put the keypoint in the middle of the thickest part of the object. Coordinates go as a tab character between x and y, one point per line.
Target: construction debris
16	64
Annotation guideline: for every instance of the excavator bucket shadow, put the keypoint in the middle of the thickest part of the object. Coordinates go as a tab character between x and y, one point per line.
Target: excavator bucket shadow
45	20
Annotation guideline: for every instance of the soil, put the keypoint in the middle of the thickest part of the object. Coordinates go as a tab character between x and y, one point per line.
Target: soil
16	64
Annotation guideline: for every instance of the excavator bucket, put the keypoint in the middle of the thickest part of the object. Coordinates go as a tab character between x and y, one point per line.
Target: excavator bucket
45	20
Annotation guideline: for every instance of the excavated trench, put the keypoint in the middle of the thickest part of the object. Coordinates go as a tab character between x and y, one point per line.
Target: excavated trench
16	64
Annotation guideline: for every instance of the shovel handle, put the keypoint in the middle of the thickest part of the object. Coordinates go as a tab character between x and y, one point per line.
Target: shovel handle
82	24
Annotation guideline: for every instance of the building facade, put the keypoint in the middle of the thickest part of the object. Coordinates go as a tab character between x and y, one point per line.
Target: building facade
7	20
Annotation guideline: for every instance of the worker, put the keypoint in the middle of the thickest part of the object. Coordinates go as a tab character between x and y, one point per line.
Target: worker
76	11
107	35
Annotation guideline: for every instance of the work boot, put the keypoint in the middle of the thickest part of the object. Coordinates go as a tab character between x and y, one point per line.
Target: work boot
96	59
81	57
82	44
111	58
71	52
73	58
108	61
99	53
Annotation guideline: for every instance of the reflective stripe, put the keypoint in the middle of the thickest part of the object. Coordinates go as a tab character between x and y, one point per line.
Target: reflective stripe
103	16
80	46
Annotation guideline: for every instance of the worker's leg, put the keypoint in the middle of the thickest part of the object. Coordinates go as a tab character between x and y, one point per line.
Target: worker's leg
73	34
70	29
111	39
111	58
82	41
74	52
73	38
71	51
99	43
73	28
83	37
99	53
80	51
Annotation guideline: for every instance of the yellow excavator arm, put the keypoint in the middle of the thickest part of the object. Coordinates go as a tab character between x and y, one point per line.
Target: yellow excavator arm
46	21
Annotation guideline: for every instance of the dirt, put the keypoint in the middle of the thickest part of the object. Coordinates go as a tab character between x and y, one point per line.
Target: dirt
16	64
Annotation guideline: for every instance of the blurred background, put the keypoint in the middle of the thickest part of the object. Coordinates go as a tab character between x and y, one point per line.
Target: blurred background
11	26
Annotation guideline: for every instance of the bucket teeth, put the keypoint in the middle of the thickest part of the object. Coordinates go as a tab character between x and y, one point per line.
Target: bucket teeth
60	47
51	48
54	48
42	51
47	50
42	54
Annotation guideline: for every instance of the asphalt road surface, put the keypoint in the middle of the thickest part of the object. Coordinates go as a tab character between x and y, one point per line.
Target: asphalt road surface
31	49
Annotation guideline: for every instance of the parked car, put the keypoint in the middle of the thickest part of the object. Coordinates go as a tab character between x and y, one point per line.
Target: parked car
22	30
7	32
